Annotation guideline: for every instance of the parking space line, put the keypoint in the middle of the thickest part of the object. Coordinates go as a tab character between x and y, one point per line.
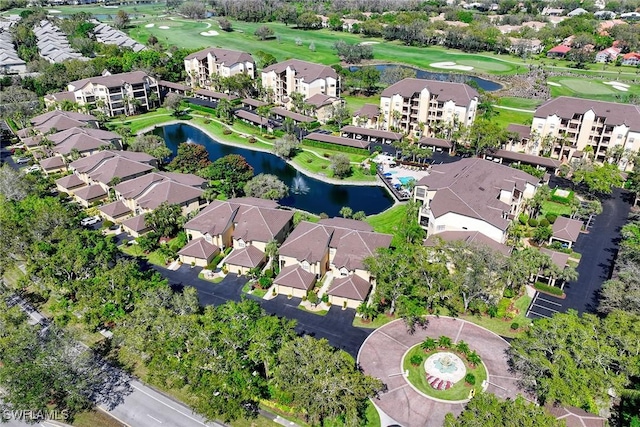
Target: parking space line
546	308
550	302
539	314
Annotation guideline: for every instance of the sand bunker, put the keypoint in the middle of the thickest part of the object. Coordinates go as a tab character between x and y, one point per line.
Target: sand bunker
620	88
617	84
53	11
209	33
554	84
368	43
451	66
149	25
164	27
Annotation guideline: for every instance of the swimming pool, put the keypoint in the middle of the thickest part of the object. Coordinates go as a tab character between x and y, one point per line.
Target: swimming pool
406	179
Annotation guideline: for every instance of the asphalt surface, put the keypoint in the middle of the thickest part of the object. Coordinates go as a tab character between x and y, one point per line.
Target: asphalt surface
335	326
599	248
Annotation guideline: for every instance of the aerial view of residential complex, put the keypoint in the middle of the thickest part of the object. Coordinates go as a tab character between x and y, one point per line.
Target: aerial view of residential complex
373	213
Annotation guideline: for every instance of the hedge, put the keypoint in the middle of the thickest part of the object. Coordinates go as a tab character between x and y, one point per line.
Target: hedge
203	109
562	200
548	289
335	147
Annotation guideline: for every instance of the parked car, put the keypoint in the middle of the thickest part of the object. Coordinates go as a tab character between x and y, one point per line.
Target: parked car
34	168
22	160
90	221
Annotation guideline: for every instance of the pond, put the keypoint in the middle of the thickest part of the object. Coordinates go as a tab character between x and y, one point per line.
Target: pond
306	193
484	84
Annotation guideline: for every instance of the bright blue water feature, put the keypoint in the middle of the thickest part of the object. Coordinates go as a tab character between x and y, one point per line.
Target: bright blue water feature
306	193
484	84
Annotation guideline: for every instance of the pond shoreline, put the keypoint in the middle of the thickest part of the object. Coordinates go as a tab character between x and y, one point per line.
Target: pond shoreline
299	168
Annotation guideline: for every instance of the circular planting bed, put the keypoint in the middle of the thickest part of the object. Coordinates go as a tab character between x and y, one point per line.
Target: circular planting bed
444	373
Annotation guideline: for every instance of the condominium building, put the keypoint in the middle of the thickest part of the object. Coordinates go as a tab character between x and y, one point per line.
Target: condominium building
201	65
115	94
570	125
295	76
427	107
473	195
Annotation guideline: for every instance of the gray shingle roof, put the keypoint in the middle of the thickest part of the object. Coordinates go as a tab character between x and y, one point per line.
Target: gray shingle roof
222	56
115	209
567	229
111	80
199	248
472	237
249	256
395	136
369	111
70	181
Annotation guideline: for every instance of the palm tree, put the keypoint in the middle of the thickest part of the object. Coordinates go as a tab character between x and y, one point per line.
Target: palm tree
271	250
444	341
462	347
396	116
366	311
473	358
263	111
429	344
225	110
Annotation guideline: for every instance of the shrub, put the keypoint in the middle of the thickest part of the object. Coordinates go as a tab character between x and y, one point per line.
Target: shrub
226	131
268	273
264	282
509	293
415	360
515	326
551	217
523	219
549	289
429	344
207	121
309	160
492	311
470	379
107	224
544	222
252	140
326	155
312	297
444	342
533	222
323	166
325	298
62	195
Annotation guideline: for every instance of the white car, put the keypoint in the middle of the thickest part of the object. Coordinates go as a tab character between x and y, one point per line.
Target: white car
34	168
90	220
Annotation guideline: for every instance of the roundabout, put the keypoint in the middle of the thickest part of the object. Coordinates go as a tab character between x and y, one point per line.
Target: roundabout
416	377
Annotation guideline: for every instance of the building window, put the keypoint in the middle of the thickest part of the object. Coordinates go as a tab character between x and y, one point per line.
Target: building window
440	228
305	265
241	243
344	272
420	192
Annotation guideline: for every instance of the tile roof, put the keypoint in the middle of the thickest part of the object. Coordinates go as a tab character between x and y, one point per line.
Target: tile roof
115	209
222	56
352	287
70	181
368	110
471	187
249	256
295	277
254	102
338	140
104	135
435	142
615	113
259	224
91	192
252	117
319	99
82	143
567	229
199	248
61	96
576	417
526	158
89	163
523	131
136	223
214	95
307	71
395	136
170	192
559	49
43	118
295	116
111	80
558	258
118	167
460	93
54	162
177	86
308	242
352	224
471	237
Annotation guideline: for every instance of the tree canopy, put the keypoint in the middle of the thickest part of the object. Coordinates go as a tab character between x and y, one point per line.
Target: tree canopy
229	174
190	158
266	186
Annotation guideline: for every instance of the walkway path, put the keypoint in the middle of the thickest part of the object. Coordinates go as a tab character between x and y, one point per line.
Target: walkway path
382	353
521	110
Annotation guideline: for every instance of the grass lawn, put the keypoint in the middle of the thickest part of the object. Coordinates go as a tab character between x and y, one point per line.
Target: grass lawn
559	209
524	103
355	102
136	11
505	117
135	251
591	87
381	320
184	33
214	280
459	391
12	274
256	292
387	221
318	312
503	327
95	418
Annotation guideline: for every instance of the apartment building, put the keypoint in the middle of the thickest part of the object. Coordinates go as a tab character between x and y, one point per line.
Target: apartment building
473	195
425	107
116	94
571	125
295	76
201	65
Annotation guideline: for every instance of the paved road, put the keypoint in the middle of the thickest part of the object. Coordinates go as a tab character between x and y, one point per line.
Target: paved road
336	326
598	248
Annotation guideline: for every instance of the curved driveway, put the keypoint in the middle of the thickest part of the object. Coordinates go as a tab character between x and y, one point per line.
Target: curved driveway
381	356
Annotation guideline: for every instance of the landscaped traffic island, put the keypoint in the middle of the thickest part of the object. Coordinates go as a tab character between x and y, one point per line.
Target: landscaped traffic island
444	371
